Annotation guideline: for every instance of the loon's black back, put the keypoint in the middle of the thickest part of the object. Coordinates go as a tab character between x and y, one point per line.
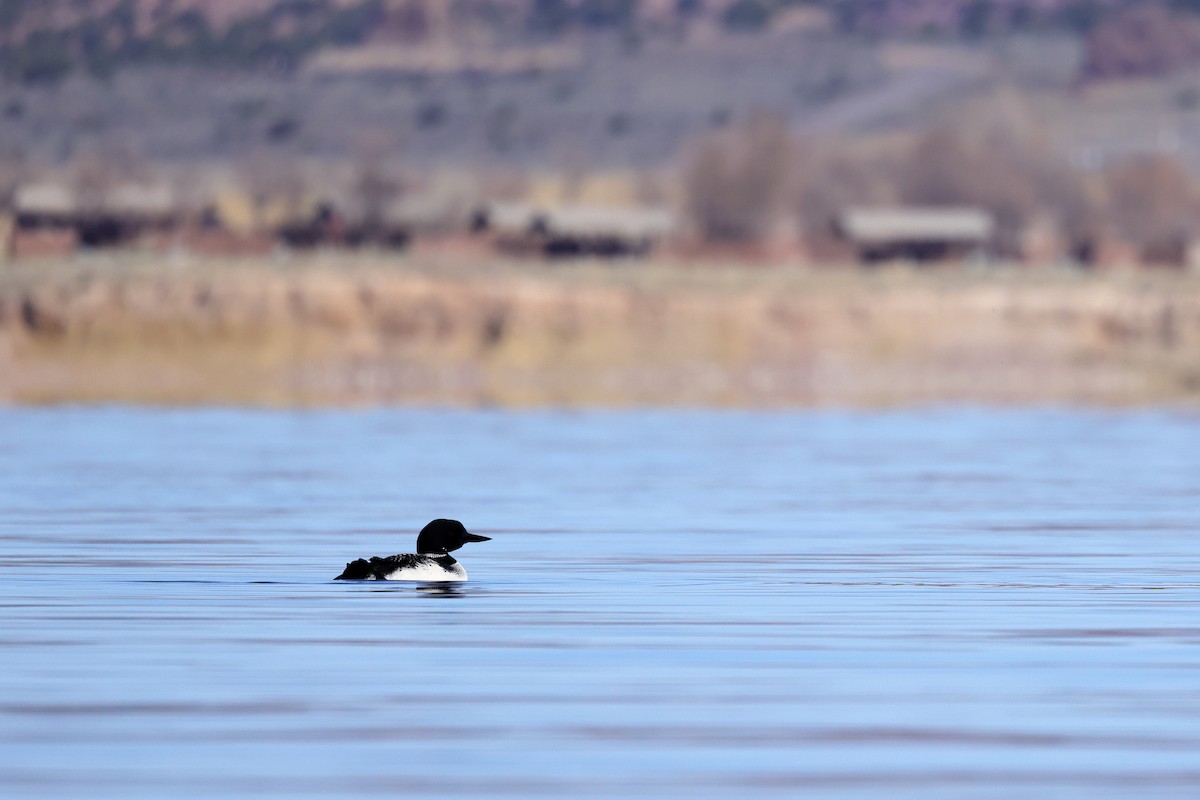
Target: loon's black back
379	568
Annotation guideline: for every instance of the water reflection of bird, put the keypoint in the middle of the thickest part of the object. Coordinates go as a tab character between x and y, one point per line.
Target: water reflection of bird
432	561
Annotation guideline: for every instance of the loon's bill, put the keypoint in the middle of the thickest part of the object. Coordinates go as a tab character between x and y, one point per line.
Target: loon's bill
432	561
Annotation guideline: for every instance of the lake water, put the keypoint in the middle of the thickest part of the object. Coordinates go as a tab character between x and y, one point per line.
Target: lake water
934	604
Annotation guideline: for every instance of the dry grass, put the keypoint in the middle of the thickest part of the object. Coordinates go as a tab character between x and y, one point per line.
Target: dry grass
366	330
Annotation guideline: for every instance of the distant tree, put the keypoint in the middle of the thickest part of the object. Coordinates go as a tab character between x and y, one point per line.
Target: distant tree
500	126
409	21
977	18
272	182
651	189
549	17
618	124
13	170
1145	41
1021	16
1080	17
352	24
283	128
43	57
831	178
431	115
12	11
504	185
92	180
574	168
1152	201
377	184
1004	166
190	191
736	182
607	13
747	15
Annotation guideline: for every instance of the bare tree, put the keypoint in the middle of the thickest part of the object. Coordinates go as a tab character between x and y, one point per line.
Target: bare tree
831	177
651	189
92	180
1152	201
735	182
1003	164
275	184
96	172
377	184
13	171
190	191
573	166
506	185
411	20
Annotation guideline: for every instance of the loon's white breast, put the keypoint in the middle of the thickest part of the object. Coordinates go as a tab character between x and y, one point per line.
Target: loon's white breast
424	568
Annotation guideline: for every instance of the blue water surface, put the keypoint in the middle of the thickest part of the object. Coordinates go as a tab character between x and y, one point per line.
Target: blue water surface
935	604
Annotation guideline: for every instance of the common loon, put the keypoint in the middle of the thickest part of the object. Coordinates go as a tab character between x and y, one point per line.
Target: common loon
431	562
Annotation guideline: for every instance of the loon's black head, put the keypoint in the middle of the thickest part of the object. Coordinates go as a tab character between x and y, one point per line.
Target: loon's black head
444	535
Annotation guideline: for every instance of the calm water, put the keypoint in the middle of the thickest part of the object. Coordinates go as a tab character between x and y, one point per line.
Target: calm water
935	604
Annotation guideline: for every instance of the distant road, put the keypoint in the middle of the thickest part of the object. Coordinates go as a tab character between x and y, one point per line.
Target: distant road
908	93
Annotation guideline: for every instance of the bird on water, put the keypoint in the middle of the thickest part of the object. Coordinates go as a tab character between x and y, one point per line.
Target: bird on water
431	562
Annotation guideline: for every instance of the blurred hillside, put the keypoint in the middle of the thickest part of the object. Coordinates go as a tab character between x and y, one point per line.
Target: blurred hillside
49	39
596	83
453	148
1070	128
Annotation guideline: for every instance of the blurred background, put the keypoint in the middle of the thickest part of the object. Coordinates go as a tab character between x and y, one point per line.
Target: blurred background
778	140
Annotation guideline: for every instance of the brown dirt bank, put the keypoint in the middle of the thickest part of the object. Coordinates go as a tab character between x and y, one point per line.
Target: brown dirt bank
356	331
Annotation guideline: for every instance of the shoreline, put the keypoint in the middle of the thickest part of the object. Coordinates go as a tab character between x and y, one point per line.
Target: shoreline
370	329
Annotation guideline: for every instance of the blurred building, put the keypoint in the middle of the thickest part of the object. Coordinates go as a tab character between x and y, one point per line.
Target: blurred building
575	230
916	233
54	219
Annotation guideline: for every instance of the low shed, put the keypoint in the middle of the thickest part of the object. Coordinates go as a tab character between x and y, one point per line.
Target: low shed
916	233
121	213
576	230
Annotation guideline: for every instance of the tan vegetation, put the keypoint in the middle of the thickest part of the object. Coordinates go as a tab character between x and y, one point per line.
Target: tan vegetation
361	331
